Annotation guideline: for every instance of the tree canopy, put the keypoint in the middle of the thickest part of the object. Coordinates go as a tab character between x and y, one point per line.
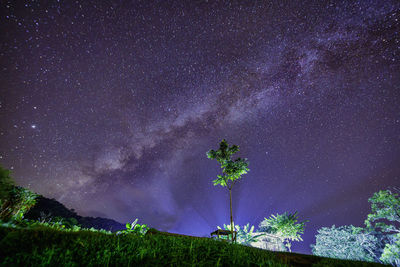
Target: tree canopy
232	169
385	205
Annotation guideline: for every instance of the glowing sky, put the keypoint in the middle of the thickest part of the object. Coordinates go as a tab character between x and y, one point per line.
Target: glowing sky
111	106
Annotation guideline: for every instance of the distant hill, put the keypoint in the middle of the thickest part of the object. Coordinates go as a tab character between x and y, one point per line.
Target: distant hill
53	208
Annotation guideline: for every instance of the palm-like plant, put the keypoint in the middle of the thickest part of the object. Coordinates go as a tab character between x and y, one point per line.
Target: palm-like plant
285	226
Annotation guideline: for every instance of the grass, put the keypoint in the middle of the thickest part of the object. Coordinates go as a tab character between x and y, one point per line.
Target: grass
50	247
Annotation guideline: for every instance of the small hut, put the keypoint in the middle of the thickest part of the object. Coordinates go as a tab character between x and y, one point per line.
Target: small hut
224	232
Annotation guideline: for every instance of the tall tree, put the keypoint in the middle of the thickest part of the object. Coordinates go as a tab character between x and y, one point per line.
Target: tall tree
232	170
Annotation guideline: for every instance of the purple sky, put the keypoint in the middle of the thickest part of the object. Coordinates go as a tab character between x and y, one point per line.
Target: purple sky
110	107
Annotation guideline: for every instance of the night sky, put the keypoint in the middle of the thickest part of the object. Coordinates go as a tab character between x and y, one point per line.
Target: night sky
110	107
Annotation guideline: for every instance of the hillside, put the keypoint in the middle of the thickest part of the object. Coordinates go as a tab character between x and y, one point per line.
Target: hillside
50	247
53	208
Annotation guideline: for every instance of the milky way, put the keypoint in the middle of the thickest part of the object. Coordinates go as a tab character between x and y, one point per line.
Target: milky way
110	107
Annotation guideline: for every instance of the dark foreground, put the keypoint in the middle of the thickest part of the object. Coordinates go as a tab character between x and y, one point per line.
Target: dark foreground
50	247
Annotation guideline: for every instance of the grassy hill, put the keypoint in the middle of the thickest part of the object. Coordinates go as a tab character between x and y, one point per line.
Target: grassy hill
49	247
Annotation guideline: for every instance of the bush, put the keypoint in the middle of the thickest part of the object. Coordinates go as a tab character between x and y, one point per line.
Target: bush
345	242
15	201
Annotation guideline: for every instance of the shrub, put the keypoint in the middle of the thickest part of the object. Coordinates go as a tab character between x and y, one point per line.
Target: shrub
134	228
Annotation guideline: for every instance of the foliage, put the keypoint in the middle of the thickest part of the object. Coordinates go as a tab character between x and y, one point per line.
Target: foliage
135	228
6	183
9	224
15	201
345	242
55	224
385	217
232	170
6	186
21	200
245	234
67	223
285	226
385	205
58	225
391	252
379	241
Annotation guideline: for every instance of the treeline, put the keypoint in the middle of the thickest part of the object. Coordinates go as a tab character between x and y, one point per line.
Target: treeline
19	205
378	241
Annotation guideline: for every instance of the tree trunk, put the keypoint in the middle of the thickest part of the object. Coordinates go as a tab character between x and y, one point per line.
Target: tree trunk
230	202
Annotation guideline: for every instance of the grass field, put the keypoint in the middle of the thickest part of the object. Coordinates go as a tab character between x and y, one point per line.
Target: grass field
50	247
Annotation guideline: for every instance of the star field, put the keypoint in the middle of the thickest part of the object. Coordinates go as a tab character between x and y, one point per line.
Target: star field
110	107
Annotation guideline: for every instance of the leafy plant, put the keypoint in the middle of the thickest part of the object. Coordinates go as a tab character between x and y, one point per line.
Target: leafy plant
245	234
385	205
45	217
391	252
66	222
135	228
58	223
285	226
232	169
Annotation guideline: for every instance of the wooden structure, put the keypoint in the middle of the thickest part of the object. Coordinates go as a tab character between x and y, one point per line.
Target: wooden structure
224	232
